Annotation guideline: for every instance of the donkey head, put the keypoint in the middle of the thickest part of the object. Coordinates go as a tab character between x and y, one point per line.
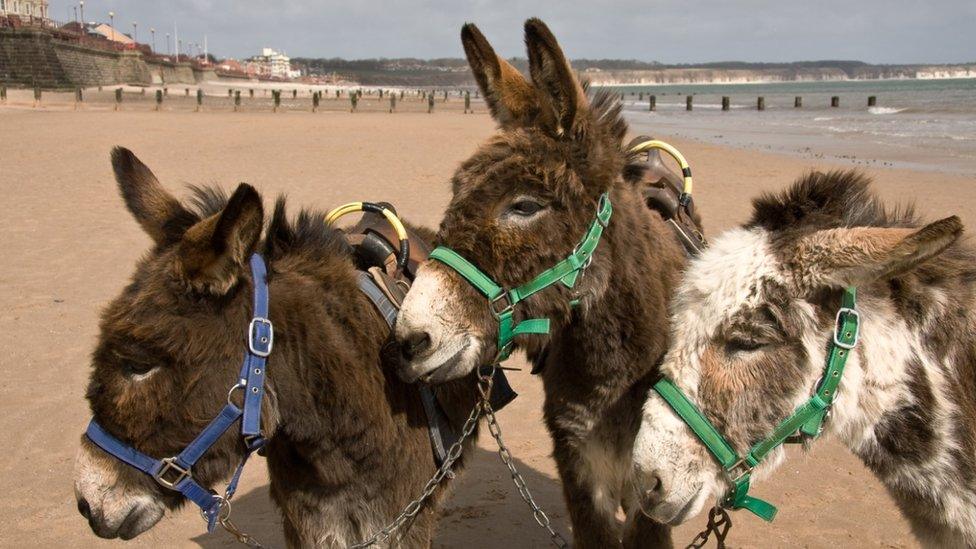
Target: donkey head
750	330
520	204
170	347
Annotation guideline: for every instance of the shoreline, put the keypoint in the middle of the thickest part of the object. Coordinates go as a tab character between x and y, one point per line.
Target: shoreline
774	82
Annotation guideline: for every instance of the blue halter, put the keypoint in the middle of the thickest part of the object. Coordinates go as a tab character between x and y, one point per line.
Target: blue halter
175	473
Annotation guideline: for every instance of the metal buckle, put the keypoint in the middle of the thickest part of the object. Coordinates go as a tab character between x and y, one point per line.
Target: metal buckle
838	325
508	307
270	338
741	464
169	464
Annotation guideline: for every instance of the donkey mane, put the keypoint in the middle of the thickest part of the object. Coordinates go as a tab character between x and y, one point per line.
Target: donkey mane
306	236
818	200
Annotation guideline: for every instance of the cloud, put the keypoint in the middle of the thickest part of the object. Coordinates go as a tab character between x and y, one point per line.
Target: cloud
672	31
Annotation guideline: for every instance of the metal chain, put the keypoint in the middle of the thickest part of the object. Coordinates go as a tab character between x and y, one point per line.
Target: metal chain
719	523
540	516
483	407
453	453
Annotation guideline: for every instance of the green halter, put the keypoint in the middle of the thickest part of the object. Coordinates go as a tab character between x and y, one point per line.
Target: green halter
807	419
502	302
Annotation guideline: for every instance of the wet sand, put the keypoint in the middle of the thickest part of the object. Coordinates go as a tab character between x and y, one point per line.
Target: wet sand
69	246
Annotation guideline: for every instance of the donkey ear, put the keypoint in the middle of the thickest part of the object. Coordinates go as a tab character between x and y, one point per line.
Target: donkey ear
860	255
214	252
158	212
508	94
562	96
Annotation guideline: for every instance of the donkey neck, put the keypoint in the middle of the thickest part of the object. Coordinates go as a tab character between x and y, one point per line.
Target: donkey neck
906	404
621	329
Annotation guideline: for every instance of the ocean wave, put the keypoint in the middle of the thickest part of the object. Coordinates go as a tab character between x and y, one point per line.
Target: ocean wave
884	110
823	118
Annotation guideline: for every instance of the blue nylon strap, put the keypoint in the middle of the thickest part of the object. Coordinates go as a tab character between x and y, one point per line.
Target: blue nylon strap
209	436
121	451
260	340
208	502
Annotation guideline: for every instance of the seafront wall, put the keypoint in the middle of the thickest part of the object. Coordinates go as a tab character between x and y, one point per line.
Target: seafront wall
32	57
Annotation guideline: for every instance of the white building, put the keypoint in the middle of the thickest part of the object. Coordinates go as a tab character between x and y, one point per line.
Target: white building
24	8
272	63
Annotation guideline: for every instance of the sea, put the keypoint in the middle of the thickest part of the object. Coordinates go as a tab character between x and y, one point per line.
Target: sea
919	124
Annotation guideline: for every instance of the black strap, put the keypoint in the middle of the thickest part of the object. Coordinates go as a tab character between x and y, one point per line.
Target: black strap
442	435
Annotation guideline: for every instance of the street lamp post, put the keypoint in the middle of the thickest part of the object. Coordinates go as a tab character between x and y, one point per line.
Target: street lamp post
179	49
169	50
81	5
135	32
111	19
152	31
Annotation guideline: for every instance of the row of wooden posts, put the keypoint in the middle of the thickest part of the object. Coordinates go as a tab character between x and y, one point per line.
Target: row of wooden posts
760	102
275	95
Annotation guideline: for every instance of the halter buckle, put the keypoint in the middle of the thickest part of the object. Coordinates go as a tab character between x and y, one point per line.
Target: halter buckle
170	465
741	466
509	306
838	326
260	345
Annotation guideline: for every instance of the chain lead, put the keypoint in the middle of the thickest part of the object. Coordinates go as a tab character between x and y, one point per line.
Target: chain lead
719	523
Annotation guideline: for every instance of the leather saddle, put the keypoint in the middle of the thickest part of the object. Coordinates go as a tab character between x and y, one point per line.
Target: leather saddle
662	189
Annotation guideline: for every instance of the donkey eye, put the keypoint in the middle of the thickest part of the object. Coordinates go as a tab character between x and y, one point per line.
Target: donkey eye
137	367
742	345
525	208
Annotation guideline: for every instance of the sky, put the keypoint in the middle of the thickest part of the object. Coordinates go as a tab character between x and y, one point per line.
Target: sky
669	31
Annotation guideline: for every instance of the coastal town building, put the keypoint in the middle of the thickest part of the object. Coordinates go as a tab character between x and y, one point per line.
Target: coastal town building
106	31
270	64
24	8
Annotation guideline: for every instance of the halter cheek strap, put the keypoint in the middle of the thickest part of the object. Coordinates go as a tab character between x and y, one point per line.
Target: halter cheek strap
175	473
502	302
807	420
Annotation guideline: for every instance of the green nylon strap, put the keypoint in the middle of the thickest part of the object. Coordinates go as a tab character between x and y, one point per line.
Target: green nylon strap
470	273
566	272
808	418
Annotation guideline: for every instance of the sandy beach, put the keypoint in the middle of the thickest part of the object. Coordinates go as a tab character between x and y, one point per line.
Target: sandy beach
69	246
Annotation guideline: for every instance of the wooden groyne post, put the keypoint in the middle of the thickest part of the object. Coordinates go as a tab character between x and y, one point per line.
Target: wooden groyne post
3	94
237	100
835	101
37	96
199	99
186	92
725	102
78	97
159	99
761	103
294	94
872	100
393	99
430	103
797	102
354	99
315	101
118	99
230	92
652	102
276	94
250	93
467	102
688	102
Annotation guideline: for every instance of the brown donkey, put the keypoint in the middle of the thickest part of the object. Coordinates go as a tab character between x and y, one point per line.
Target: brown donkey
347	447
754	326
521	204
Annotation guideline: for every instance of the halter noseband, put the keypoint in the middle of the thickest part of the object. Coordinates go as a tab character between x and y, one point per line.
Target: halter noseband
175	473
807	420
502	302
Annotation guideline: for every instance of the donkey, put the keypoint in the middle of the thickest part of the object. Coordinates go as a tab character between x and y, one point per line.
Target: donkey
347	447
520	204
753	323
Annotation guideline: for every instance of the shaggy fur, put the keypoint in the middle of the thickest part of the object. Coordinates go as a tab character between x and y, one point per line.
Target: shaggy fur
348	443
561	153
752	321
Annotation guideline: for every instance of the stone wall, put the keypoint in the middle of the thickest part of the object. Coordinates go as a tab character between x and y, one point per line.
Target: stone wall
31	57
167	72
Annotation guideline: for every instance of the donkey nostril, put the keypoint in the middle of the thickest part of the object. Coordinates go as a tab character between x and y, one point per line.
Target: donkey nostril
653	489
414	345
84	508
